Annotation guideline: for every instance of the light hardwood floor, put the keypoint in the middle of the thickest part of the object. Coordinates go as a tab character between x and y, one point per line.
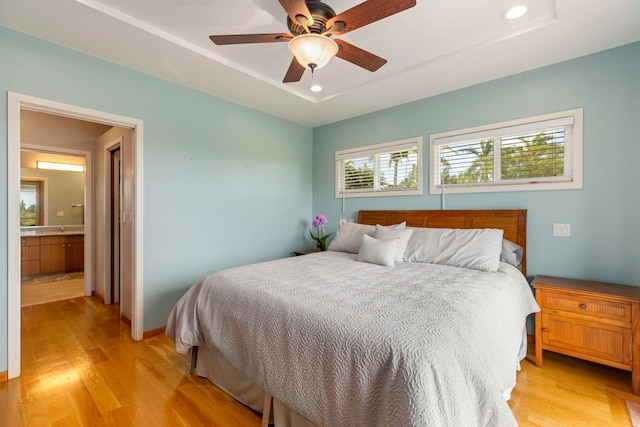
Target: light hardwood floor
80	367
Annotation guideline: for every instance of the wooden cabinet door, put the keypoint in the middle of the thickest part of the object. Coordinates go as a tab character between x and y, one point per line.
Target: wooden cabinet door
59	254
595	341
75	253
53	255
29	268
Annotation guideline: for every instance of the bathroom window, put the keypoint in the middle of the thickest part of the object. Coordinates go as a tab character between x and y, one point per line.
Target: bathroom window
31	203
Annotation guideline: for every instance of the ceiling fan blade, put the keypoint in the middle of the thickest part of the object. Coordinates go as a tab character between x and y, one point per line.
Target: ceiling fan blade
294	73
251	38
367	12
359	57
295	8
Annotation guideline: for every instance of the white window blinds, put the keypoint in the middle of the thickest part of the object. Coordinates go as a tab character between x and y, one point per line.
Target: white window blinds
538	150
383	169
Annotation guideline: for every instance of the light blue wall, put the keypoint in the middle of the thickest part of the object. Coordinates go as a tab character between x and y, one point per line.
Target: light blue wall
604	215
223	184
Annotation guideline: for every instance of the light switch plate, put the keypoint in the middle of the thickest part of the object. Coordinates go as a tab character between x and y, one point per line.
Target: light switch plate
562	230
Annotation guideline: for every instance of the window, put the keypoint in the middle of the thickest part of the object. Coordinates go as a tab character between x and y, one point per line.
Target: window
392	168
536	153
31	203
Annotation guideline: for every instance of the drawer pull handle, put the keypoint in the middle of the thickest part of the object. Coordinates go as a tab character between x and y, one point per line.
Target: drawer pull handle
545	329
583	306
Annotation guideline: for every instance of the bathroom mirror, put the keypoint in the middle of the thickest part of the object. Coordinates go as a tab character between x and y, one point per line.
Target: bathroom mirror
52	197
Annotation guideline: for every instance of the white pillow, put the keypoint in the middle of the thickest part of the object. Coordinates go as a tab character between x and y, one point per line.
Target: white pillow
387	233
478	249
511	253
400	226
377	251
349	236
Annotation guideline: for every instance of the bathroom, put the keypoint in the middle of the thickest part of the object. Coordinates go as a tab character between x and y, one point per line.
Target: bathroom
52	188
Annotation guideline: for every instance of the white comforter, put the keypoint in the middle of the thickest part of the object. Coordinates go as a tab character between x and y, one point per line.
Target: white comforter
346	343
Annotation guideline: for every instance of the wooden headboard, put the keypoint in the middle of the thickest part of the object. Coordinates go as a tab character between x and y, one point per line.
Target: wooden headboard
512	222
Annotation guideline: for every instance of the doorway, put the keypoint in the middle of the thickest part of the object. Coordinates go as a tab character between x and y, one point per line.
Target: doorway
16	103
54	190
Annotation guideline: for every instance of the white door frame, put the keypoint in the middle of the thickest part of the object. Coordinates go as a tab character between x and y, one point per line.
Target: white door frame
15	103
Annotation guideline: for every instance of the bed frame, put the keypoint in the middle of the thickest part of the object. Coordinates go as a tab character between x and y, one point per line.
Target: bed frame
512	222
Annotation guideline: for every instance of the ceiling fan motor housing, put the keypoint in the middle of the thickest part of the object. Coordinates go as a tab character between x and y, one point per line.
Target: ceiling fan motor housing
321	13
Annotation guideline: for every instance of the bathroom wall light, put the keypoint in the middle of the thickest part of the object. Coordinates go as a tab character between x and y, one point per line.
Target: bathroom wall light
61	166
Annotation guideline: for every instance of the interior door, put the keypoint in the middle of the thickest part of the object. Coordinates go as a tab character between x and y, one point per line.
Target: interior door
127	230
115	197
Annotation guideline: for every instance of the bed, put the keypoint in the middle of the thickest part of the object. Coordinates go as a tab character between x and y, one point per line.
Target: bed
408	319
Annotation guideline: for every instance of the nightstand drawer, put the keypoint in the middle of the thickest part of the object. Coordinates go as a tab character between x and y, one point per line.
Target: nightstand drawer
585	306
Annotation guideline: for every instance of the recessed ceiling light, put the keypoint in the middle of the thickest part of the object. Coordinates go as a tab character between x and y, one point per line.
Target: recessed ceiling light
515	12
316	88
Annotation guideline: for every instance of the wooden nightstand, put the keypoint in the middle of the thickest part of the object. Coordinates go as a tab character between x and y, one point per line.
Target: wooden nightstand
594	321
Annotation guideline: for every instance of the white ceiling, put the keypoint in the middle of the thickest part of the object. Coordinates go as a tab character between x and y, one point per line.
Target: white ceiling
435	47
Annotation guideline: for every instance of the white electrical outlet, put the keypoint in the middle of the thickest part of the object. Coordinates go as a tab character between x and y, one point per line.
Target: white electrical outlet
562	230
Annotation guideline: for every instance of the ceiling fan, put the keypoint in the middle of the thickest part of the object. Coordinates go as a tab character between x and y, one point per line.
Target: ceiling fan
312	23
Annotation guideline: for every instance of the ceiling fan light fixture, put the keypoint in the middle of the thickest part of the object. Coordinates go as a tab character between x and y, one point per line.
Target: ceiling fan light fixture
515	12
313	51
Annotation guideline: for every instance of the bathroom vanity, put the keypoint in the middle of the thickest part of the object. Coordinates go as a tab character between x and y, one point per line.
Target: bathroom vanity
46	250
